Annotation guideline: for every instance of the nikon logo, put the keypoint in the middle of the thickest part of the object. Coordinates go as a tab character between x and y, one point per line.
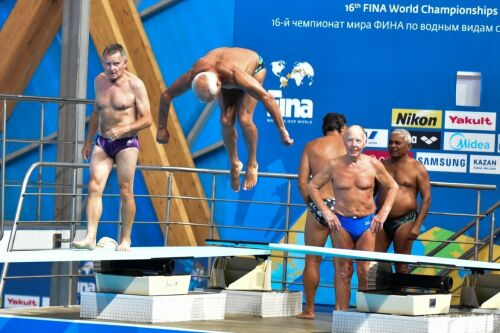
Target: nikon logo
416	118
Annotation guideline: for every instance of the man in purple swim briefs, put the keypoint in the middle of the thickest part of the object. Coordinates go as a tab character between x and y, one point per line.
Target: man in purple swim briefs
121	110
354	222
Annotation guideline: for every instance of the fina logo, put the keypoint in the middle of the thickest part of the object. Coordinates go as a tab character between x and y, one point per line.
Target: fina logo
302	74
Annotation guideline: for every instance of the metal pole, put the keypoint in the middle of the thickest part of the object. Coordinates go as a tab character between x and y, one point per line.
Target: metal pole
169	203
476	234
287	234
492	237
40	158
2	194
212	209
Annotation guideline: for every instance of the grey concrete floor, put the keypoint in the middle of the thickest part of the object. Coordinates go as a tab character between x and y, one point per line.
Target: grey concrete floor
232	323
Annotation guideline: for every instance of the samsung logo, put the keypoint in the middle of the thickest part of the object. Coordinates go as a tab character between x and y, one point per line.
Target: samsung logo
443	162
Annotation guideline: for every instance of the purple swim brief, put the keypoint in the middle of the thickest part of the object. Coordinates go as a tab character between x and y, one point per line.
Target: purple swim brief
113	147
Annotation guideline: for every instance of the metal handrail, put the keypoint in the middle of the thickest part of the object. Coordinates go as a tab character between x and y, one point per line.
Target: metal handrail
464	229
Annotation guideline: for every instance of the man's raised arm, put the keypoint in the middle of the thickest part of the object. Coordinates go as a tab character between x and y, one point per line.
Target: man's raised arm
180	86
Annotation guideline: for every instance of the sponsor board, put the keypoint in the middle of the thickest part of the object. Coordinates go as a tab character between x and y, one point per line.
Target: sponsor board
466	120
381	154
416	118
425	139
376	138
475	142
484	164
443	162
378	154
21	301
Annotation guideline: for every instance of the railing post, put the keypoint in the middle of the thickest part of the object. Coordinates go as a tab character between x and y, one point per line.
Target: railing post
492	237
169	203
212	209
476	234
287	234
2	185
40	158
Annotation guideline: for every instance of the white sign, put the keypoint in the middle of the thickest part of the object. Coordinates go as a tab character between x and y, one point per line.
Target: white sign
21	301
463	141
479	121
376	138
443	162
485	164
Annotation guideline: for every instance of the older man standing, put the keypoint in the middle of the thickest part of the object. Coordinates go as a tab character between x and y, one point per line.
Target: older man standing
121	110
354	221
234	76
405	218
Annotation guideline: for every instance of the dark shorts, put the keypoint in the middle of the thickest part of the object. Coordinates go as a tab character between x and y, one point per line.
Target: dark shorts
391	225
260	66
356	226
330	203
113	147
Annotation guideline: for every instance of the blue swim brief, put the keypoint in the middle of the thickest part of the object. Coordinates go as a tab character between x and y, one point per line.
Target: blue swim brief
356	226
113	147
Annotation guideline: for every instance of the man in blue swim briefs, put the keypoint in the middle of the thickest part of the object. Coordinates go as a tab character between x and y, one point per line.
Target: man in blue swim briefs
405	219
314	157
234	76
121	110
354	222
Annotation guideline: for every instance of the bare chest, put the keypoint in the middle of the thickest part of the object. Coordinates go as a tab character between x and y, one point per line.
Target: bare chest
112	98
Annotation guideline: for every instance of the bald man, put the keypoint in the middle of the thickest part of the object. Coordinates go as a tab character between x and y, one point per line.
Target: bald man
353	222
234	76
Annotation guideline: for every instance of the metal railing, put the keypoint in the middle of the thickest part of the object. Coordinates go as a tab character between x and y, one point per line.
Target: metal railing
212	199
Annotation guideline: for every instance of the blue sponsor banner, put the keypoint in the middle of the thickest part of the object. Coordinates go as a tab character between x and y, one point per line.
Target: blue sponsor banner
383	65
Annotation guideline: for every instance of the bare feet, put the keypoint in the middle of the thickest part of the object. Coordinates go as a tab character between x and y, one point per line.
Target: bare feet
124	246
251	177
235	176
86	243
306	315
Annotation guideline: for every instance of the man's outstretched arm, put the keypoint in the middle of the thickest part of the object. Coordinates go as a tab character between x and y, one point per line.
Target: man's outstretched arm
180	86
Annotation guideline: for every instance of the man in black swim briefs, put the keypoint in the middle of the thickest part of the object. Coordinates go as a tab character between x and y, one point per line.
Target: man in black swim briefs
234	76
405	218
121	110
314	157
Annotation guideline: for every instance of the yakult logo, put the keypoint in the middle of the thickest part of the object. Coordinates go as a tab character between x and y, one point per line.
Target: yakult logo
21	301
481	121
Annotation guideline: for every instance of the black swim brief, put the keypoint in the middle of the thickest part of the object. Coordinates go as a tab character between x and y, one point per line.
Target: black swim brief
330	203
391	225
260	66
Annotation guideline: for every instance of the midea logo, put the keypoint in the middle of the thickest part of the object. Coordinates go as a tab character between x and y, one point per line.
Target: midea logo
459	142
